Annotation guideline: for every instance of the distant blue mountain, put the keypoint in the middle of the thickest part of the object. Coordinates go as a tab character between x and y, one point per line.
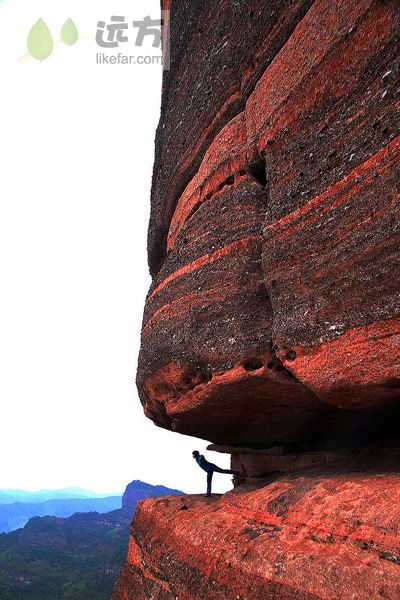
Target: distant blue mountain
78	558
10	496
16	515
18	506
138	490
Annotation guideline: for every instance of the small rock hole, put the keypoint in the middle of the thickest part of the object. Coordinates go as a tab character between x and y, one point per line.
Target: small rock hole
204	377
254	364
259	172
291	355
194	209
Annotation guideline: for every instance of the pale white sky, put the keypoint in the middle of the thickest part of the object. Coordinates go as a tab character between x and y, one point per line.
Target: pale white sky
76	155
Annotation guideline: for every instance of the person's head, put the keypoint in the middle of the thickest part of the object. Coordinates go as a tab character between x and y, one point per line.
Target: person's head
195	454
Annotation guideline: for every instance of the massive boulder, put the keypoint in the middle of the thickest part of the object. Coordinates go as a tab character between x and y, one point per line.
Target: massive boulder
272	324
274	229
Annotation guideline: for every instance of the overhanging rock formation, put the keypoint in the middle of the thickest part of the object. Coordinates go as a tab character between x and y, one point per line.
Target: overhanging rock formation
273	315
275	224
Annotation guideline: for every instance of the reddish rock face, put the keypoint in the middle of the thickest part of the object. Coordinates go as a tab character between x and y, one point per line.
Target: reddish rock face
274	234
272	324
219	51
311	535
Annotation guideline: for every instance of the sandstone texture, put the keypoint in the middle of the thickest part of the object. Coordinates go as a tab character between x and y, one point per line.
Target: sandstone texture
316	534
274	232
272	325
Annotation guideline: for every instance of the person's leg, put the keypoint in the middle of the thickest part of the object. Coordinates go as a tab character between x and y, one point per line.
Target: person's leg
228	471
209	481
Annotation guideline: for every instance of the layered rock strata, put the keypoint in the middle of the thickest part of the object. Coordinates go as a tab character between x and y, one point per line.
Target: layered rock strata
323	533
274	232
272	327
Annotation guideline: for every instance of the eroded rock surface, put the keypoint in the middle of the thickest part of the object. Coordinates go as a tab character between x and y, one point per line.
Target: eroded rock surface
272	324
275	221
317	534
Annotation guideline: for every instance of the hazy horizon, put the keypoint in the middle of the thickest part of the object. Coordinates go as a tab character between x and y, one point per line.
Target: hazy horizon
63	489
77	488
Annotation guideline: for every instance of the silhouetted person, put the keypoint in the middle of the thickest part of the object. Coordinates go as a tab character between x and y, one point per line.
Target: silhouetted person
210	469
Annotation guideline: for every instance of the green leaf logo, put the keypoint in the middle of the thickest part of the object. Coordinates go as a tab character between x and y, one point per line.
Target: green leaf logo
40	41
69	33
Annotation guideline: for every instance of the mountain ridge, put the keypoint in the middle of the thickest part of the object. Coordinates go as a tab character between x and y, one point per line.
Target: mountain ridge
15	515
74	558
9	495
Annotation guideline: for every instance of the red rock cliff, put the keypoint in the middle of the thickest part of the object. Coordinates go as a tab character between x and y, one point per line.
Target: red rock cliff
272	323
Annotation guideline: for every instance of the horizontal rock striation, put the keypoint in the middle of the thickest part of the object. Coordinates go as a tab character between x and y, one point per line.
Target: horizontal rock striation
306	535
218	52
274	230
272	325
